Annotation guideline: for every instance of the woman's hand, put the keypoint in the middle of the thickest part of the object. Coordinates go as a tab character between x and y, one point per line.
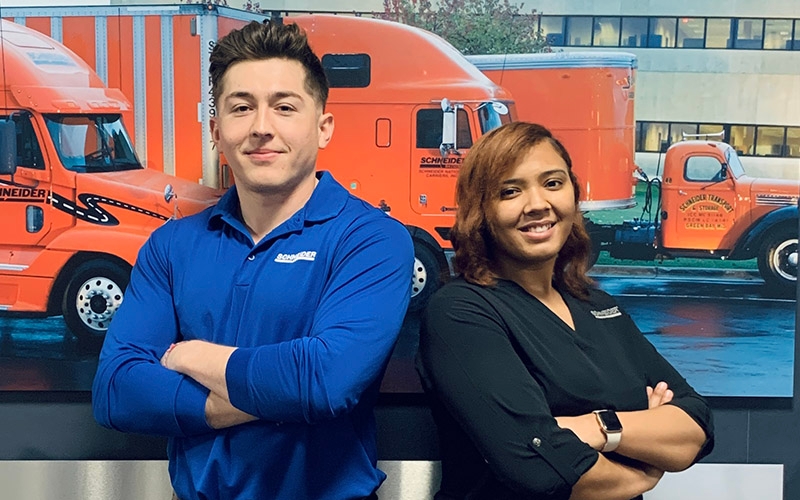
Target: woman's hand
588	429
660	395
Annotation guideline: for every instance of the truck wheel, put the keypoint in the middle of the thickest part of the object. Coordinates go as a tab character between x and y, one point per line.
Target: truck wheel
92	298
777	262
426	278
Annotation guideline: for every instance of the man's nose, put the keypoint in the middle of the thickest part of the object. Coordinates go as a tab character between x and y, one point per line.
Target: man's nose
262	122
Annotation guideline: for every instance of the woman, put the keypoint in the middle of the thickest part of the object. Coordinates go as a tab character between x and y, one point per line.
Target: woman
542	387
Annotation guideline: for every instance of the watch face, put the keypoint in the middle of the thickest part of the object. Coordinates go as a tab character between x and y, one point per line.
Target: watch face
610	421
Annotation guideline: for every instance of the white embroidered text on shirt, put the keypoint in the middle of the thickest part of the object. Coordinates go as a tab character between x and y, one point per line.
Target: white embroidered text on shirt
611	312
291	258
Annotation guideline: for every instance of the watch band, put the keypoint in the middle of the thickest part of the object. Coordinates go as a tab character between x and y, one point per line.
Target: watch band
611	427
612	441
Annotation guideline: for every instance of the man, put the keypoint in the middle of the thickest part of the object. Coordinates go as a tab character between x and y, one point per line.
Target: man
255	333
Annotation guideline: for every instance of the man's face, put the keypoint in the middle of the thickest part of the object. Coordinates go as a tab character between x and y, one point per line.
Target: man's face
268	126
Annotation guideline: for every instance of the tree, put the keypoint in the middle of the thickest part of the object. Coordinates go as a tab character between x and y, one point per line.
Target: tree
473	26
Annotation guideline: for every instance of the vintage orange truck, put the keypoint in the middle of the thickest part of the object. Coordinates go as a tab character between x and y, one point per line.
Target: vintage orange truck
708	207
76	202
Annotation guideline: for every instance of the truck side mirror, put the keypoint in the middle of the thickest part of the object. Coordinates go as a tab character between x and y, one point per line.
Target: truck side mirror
8	147
449	130
724	172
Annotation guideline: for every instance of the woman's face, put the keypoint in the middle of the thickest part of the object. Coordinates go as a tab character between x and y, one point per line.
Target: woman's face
533	210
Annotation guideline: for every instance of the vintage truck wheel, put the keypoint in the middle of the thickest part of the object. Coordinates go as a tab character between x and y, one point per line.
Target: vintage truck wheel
777	262
426	278
92	298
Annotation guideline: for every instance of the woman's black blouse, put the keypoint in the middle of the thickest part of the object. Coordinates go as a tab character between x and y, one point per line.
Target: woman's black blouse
500	365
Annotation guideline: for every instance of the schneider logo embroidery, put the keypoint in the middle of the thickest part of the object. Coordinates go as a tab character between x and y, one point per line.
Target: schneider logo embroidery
291	258
611	312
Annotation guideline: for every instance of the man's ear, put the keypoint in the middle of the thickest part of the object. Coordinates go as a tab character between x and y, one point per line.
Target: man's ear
325	129
214	126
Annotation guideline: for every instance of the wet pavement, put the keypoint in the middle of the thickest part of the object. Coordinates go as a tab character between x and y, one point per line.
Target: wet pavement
724	333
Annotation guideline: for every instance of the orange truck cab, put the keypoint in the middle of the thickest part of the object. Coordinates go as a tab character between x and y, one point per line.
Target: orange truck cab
586	99
710	208
76	202
408	106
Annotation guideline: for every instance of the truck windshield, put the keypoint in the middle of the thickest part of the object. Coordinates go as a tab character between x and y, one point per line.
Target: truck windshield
492	115
92	143
734	164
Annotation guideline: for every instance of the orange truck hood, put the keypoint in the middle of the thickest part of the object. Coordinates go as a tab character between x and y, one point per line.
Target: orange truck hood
131	194
779	192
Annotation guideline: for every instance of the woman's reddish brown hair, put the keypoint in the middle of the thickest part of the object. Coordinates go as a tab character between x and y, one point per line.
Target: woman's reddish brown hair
489	160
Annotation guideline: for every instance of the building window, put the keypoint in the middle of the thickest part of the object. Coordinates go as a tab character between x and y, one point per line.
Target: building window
691	32
747	140
769	141
638	137
792	142
676	131
553	30
796	42
606	32
712	131
742	139
662	32
655	136
718	34
749	33
778	34
579	31
634	32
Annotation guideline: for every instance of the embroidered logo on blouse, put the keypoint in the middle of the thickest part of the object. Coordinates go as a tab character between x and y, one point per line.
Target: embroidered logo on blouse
291	258
611	312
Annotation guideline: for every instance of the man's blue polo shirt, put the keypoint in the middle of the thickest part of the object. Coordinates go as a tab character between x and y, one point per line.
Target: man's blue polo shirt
315	309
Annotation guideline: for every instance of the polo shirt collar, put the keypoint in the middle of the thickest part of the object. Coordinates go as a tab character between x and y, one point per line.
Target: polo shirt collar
326	202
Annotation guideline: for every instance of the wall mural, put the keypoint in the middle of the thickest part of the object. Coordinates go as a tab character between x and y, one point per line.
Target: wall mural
112	139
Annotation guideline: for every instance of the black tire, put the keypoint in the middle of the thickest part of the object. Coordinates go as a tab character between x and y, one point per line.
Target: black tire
427	277
777	262
92	297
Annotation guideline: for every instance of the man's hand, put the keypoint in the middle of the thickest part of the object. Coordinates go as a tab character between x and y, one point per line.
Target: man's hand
203	361
220	413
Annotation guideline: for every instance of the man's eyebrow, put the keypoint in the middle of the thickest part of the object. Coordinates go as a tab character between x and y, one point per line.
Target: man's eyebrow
274	96
282	94
241	94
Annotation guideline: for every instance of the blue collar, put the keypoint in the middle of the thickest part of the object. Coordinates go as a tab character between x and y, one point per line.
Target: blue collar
326	202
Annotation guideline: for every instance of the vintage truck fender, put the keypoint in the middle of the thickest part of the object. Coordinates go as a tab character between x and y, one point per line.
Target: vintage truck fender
748	245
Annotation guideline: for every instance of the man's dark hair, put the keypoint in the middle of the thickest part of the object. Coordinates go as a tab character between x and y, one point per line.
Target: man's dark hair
270	39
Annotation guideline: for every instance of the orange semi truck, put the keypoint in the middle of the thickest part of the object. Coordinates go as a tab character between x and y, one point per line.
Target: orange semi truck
76	202
586	99
407	110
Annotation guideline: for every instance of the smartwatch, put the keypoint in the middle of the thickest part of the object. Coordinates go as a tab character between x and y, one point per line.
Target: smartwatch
611	427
